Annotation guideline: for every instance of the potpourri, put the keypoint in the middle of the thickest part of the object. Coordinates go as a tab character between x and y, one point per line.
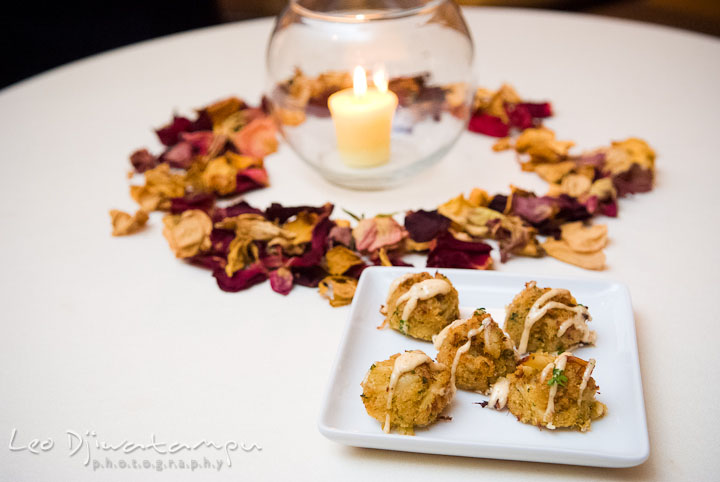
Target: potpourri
220	154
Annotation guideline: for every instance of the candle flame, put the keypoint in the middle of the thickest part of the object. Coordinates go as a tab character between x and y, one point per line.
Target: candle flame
359	81
380	80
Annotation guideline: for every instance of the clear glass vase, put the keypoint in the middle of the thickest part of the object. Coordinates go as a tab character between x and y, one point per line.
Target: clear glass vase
414	59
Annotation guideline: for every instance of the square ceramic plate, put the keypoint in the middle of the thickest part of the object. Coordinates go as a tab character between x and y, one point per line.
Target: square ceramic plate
619	439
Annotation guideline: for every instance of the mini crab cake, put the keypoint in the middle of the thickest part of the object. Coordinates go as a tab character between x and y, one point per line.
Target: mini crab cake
551	391
477	351
547	319
420	305
409	390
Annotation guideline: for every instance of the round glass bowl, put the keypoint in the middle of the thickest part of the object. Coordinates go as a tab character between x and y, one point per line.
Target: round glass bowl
414	58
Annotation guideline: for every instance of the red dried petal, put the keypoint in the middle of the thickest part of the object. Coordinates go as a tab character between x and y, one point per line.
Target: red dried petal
448	252
220	240
199	140
310	276
423	226
250	179
279	213
170	134
634	180
236	209
318	245
488	125
537	110
519	116
142	160
281	281
179	156
203	201
242	279
208	261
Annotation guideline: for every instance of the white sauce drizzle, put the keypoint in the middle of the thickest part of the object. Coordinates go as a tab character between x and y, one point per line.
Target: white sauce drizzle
540	308
439	339
422	291
406	362
499	394
558	364
586	377
394	286
463	349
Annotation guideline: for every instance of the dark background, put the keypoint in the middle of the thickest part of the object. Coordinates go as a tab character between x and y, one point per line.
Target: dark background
37	37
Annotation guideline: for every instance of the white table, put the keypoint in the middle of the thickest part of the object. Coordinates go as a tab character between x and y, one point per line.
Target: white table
115	336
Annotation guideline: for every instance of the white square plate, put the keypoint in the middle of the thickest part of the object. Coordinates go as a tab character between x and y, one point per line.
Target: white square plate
619	439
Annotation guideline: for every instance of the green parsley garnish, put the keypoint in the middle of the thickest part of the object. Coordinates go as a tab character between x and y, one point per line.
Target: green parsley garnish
479	311
558	377
401	326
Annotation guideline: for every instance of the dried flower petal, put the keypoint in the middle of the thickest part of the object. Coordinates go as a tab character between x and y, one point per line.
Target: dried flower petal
449	252
124	224
634	180
562	251
220	176
188	233
250	179
542	145
279	213
203	201
339	290
575	185
160	186
221	110
142	160
257	139
584	239
339	259
179	156
170	134
423	226
372	234
302	226
623	154
241	252
281	281
240	207
255	227
241	280
488	125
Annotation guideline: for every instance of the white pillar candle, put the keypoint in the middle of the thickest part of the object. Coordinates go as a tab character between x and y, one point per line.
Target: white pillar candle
363	121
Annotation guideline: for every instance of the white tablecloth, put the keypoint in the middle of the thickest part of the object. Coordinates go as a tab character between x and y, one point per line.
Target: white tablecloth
116	337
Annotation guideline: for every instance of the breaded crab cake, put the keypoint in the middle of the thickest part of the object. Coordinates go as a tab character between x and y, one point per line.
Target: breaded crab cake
548	320
551	391
406	391
477	351
420	305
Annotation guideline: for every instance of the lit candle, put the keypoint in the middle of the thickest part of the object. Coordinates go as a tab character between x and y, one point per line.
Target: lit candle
363	120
